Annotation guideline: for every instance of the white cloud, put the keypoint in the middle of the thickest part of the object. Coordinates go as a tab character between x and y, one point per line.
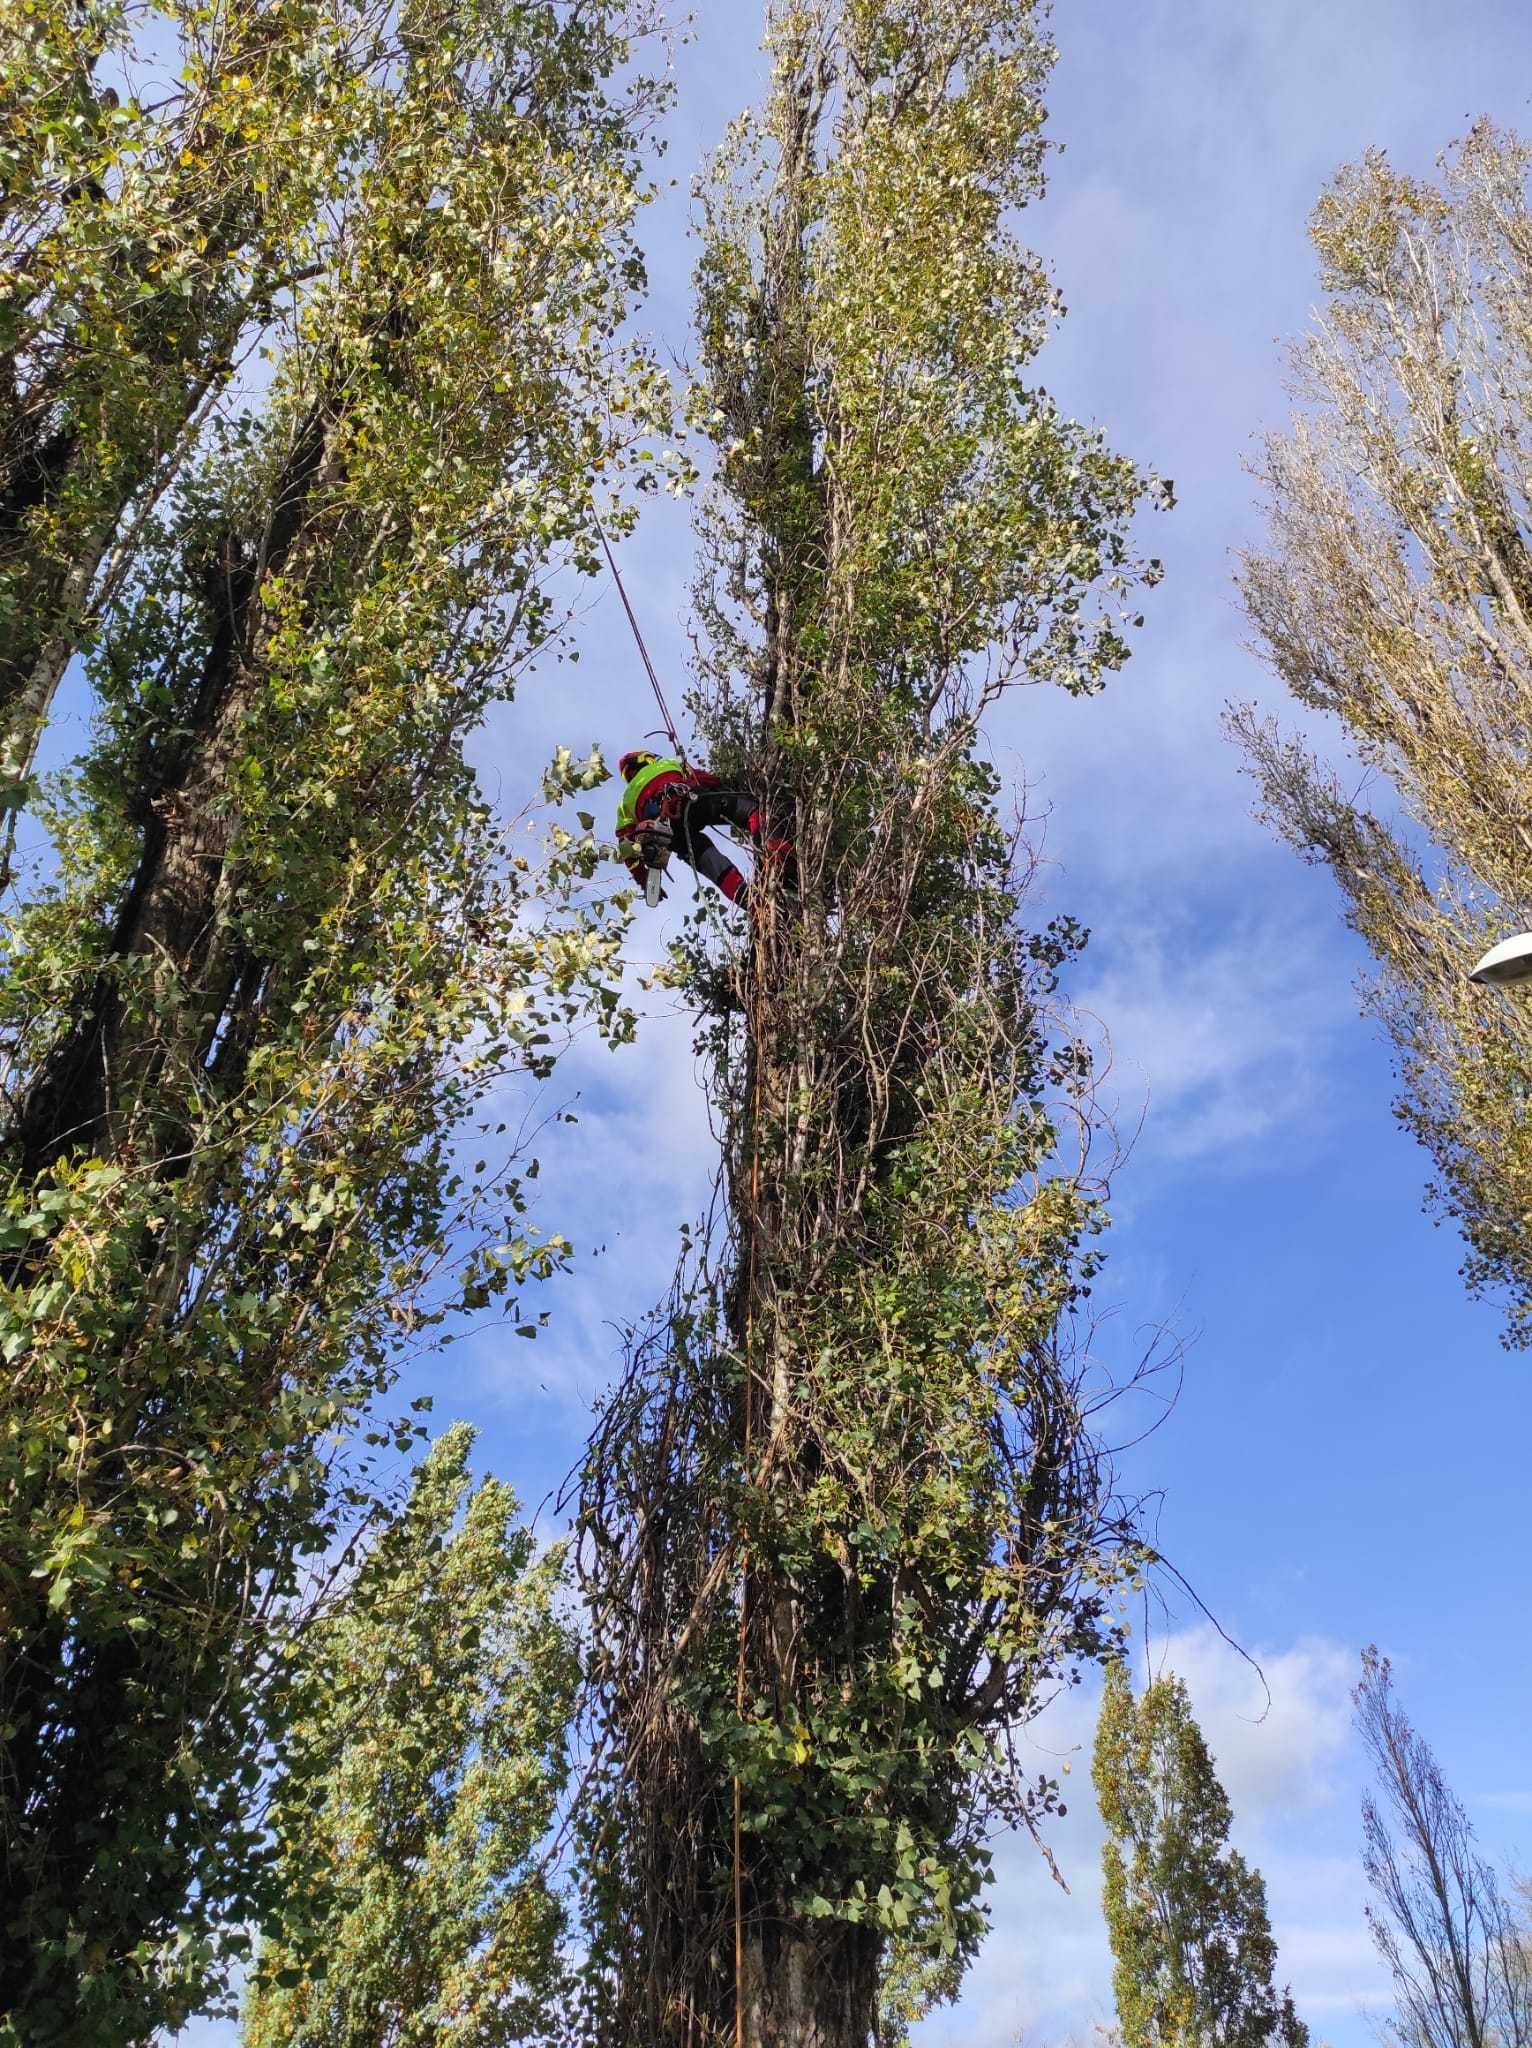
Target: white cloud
1274	1756
1505	1802
618	1181
1327	1954
1223	1037
1045	1974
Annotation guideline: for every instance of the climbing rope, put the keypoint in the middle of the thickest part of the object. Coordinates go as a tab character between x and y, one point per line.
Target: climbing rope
654	681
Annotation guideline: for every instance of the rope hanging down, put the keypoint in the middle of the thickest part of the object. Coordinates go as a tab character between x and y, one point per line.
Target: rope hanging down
654	681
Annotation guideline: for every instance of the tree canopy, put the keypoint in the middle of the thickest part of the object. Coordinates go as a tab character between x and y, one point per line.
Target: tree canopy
1395	594
1192	1949
423	1758
275	959
1456	1948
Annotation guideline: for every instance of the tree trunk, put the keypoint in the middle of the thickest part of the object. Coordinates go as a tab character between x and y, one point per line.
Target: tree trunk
110	1065
809	1984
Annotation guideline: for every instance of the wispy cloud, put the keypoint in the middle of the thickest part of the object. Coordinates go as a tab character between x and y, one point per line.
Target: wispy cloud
1220	1037
1505	1802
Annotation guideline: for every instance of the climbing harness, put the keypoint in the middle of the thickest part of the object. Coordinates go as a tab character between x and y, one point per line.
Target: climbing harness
657	847
649	668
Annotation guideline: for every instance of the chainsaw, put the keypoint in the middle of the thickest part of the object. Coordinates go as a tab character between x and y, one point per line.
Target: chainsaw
656	843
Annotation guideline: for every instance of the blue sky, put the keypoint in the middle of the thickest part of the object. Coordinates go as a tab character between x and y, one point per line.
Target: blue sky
1345	1463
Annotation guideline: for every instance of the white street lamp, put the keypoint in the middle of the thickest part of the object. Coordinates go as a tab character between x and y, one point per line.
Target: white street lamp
1510	961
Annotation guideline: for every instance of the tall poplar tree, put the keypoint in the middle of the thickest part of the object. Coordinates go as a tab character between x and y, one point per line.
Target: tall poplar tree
282	951
424	1757
1192	1948
845	1519
1395	595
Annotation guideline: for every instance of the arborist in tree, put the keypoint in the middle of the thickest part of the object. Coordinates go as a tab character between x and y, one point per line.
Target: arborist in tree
667	807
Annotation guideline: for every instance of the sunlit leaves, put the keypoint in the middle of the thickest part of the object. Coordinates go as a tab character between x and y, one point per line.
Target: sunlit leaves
426	1715
1193	1954
1395	594
287	959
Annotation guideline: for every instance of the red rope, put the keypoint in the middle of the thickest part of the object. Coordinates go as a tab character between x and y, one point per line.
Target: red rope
654	681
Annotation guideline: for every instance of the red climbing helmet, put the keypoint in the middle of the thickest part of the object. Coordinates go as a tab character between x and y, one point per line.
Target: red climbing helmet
630	763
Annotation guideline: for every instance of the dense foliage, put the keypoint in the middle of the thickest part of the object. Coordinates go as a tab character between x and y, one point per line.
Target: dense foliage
847	1521
1193	1955
138	243
277	952
1396	595
424	1755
